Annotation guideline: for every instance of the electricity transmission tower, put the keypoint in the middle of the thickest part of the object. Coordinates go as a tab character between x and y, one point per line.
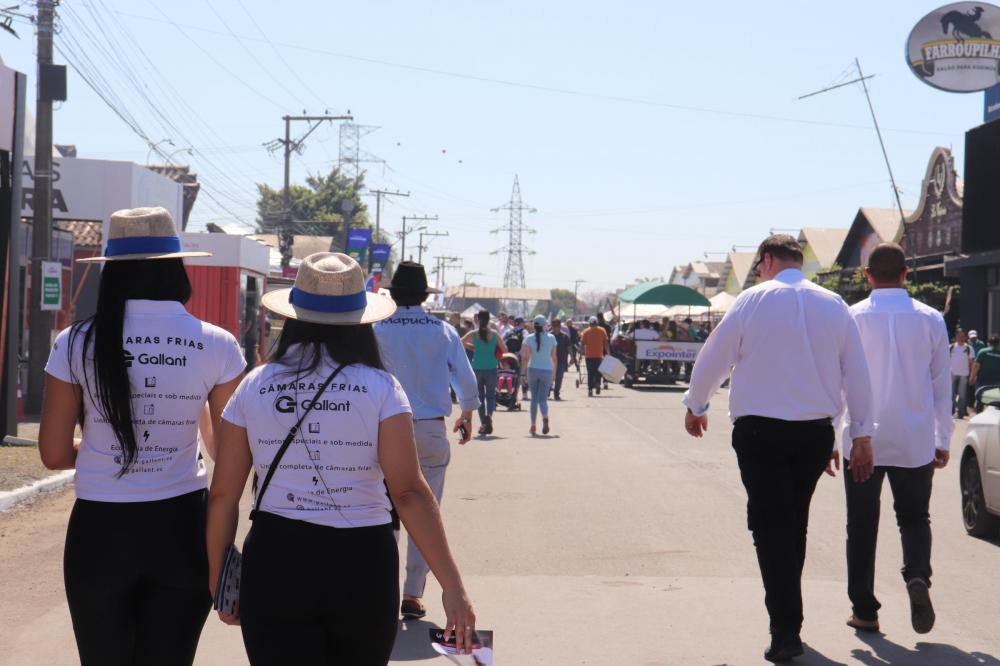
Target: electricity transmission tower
351	156
515	248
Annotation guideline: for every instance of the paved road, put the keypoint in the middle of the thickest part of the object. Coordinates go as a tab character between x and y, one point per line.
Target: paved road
618	540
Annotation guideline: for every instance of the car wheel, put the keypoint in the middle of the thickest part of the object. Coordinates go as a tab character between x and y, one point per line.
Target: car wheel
978	521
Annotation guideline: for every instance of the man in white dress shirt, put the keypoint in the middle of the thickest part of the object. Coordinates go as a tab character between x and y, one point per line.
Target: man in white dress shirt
794	353
906	343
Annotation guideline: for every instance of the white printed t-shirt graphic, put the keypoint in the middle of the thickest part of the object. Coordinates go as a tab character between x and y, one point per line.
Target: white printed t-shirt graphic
173	360
330	474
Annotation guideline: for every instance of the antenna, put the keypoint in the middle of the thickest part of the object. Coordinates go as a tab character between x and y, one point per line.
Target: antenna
863	80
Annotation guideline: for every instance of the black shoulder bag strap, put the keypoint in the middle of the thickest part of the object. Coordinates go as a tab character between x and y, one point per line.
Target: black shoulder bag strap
288	440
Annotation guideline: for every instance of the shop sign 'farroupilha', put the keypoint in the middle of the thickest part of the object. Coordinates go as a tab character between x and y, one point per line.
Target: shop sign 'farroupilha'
957	47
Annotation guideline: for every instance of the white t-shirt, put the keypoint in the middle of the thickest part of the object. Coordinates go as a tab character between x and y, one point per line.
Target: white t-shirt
173	361
330	473
960	356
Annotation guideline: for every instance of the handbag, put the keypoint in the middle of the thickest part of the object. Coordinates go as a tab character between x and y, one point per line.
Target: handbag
227	589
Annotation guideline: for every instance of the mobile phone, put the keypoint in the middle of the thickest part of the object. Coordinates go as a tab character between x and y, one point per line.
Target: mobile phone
463	429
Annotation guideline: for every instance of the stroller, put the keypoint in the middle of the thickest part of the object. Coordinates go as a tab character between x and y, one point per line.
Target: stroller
508	379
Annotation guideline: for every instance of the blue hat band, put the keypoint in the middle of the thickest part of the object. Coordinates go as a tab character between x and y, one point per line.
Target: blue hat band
319	303
142	245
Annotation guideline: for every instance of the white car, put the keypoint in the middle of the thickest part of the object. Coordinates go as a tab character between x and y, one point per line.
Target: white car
979	474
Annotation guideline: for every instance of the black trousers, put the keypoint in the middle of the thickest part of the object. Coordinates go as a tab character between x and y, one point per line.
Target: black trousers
593	375
560	371
911	493
780	463
316	595
136	578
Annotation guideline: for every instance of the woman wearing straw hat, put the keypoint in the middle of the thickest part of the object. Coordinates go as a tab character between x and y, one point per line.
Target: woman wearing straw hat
326	429
137	376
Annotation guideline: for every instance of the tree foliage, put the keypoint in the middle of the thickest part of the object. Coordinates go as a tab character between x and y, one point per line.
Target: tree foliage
320	207
853	286
562	299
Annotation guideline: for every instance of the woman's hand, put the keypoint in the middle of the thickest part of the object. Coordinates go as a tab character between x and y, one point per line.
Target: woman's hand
460	619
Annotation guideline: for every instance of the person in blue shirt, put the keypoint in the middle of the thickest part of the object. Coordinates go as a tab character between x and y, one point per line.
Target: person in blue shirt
426	355
539	352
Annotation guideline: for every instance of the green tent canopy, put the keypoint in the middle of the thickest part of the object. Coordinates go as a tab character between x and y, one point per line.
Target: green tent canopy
658	293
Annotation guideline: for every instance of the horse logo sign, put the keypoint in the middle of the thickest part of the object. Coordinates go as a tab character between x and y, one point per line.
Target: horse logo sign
953	47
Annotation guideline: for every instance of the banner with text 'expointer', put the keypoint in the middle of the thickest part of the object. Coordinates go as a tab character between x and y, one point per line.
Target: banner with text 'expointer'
358	241
380	257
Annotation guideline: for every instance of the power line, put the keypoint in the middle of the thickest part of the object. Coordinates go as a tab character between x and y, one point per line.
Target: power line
294	72
560	91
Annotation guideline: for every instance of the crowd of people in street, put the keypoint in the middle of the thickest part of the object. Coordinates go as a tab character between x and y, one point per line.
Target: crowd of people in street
343	426
345	429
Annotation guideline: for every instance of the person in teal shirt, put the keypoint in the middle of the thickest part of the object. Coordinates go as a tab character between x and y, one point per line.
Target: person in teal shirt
539	351
986	369
484	344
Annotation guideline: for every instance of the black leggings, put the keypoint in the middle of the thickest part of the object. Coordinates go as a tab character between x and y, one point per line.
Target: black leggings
137	580
311	594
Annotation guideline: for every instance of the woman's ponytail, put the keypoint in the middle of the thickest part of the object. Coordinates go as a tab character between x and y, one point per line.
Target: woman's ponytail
539	330
484	325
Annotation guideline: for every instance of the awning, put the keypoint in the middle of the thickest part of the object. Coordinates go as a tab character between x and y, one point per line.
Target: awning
662	294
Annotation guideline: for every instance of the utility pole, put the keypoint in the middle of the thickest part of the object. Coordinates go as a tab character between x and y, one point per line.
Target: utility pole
378	207
421	247
443	264
465	285
40	321
289	146
576	288
404	233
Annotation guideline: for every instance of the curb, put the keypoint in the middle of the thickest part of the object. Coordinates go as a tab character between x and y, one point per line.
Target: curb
11	498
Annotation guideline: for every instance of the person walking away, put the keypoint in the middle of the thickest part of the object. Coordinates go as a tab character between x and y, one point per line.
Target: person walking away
595	345
486	345
960	360
514	341
906	345
986	368
562	356
427	357
320	569
574	343
137	376
794	351
540	359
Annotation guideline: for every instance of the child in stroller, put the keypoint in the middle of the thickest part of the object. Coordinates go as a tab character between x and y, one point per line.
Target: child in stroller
507	381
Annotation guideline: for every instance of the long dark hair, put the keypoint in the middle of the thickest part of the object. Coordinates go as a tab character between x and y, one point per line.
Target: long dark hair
539	330
483	317
111	392
348	345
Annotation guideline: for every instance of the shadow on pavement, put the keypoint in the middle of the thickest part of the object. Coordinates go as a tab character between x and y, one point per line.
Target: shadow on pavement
886	653
814	658
659	388
413	641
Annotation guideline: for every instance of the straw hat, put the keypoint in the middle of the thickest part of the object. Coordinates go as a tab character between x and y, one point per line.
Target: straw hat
143	233
329	289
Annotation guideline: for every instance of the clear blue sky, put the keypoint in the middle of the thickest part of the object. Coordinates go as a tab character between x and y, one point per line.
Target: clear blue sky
623	120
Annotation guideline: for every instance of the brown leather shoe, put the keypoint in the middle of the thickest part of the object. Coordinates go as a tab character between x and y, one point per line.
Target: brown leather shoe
856	622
